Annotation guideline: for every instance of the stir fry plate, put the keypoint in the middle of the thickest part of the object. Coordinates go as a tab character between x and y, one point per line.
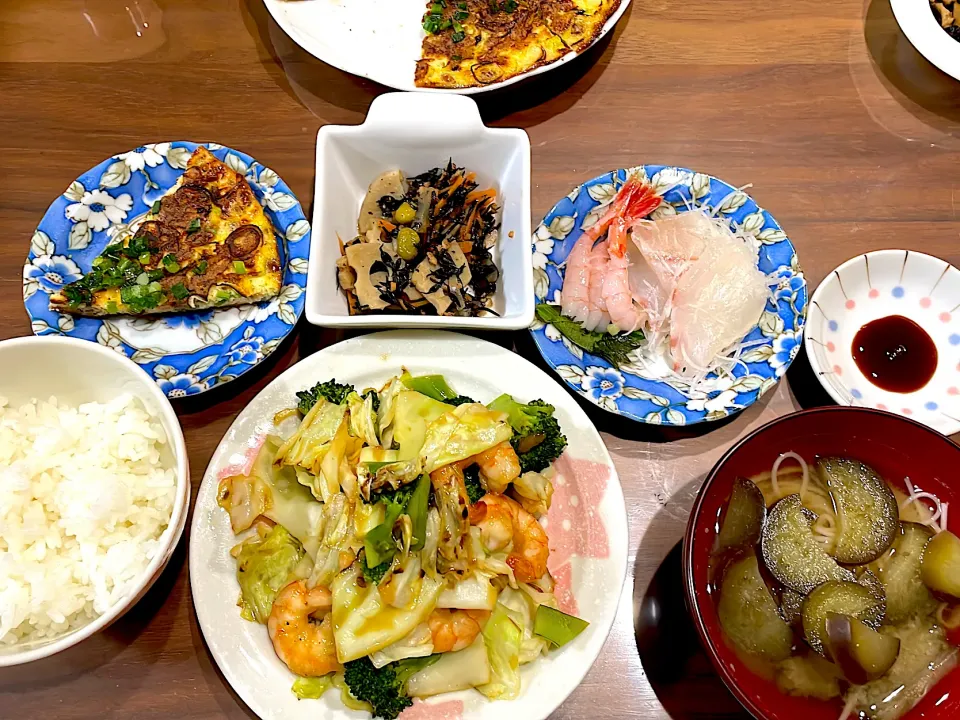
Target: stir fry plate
186	353
586	525
632	390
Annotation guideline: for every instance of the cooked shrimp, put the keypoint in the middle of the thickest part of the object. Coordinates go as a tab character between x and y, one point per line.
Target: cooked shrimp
454	630
624	312
499	466
304	644
505	525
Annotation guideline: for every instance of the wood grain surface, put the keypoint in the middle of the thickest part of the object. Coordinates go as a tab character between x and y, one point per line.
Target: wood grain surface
846	134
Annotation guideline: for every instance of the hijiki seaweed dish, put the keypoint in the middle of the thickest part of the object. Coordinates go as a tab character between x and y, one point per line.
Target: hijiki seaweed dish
425	245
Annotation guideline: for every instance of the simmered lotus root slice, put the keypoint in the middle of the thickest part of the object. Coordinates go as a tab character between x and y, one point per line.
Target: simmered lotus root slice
867	510
749	614
836	596
791	552
940	569
861	652
907	595
742	520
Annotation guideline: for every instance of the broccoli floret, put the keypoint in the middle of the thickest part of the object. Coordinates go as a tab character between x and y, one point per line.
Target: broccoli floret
537	437
332	391
375	574
385	688
471	478
459	400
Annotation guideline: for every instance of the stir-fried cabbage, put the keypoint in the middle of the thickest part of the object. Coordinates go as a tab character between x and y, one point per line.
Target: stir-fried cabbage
336	540
461	433
419	643
431	543
364	623
387	410
475	592
245	498
523	611
454	671
308	446
363	418
503	639
413	414
264	567
310	688
533	491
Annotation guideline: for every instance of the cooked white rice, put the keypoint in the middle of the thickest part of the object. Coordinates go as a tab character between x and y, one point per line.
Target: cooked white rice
84	499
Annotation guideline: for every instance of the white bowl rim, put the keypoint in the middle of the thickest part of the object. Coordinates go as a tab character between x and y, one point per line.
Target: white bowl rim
808	341
178	516
917	22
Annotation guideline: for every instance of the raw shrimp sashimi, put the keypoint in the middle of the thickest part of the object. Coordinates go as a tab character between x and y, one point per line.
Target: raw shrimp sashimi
582	297
596	288
719	297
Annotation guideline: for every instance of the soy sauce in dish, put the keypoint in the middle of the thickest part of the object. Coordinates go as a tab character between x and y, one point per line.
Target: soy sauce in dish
895	354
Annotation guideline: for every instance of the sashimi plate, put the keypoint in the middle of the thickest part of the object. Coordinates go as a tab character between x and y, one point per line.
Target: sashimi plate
186	353
586	525
635	390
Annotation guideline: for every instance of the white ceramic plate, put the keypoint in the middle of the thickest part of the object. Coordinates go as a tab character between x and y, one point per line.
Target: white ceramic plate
379	39
415	132
918	23
920	287
587	527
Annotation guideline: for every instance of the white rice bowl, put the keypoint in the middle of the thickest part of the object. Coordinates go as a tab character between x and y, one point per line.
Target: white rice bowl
86	498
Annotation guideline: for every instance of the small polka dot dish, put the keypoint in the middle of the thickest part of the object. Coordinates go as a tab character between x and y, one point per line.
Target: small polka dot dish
884	332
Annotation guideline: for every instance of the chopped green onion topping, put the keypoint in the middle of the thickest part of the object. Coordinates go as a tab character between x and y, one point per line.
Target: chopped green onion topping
155	208
155	274
194	225
239	268
179	291
112	307
170	263
142	279
201	267
144	259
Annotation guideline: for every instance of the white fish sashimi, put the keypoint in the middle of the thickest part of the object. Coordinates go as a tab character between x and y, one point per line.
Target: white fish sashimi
718	299
709	286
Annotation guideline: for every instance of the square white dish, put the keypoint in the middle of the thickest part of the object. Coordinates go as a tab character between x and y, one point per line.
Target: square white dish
415	132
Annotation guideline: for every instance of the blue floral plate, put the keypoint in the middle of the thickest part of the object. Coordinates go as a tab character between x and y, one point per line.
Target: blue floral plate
186	353
632	390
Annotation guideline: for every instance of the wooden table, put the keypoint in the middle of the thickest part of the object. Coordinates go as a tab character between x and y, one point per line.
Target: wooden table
848	136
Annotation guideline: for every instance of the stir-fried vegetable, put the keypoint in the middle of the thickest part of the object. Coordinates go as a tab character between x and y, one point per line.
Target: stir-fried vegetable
367	506
263	568
558	627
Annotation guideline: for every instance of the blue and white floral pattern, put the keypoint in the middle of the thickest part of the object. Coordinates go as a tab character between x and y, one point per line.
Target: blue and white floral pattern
186	353
766	352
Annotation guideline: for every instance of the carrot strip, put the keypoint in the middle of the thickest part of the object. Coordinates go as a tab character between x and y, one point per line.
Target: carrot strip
387	225
489	193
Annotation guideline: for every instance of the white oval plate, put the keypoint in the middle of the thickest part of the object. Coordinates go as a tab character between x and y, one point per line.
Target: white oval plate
587	526
920	287
380	39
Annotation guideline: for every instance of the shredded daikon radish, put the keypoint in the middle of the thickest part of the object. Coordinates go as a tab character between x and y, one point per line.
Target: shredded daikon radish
849	706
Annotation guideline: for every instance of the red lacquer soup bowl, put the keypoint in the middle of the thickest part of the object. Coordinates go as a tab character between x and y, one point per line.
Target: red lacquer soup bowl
897	448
